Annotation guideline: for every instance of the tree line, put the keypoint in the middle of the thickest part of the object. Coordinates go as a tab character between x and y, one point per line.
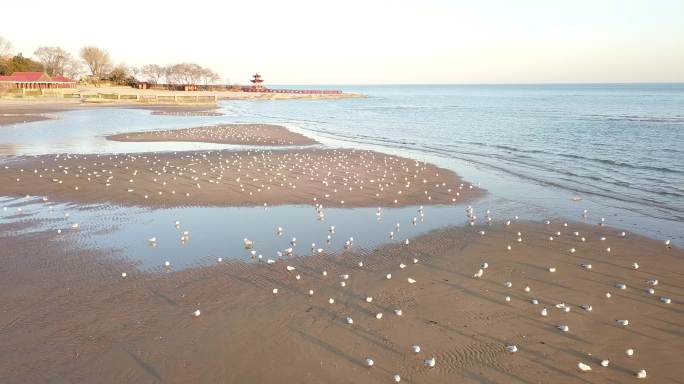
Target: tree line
95	64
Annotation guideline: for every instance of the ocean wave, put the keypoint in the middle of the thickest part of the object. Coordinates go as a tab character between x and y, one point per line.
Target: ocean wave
636	118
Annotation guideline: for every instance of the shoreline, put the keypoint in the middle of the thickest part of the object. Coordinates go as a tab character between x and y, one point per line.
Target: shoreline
33	108
71	315
145	332
30	111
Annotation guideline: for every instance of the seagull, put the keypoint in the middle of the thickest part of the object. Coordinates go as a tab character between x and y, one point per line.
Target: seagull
623	322
641	374
396	378
350	320
665	300
196	313
635	265
621	286
411	281
544	312
587	307
583	367
478	274
398	312
512	348
369	362
123	275
430	362
249	244
378	315
563	327
275	291
415	348
508	284
629	352
605	363
290	268
653	282
552	269
331	300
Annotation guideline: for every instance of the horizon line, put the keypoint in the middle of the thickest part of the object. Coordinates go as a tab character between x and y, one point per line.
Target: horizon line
531	83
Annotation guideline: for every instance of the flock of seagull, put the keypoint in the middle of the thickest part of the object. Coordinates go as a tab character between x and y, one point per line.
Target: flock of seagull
250	246
431	362
245	134
333	176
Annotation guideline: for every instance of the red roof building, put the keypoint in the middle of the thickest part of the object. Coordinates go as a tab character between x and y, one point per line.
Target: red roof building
38	80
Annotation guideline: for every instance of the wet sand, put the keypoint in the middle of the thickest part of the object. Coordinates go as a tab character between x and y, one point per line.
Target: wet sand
332	177
24	112
241	134
68	316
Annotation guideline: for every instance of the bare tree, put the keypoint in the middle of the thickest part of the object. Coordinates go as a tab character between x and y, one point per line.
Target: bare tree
5	48
153	73
54	59
97	60
208	76
73	68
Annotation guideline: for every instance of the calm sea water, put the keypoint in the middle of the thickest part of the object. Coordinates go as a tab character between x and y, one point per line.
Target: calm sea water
619	148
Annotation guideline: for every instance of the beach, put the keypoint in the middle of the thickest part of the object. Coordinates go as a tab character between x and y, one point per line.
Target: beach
496	298
69	315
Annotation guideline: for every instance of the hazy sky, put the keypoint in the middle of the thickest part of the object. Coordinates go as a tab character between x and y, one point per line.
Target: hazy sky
356	42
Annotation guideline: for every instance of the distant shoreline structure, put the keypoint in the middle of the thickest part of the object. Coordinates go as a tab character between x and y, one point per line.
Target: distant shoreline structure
257	86
297	91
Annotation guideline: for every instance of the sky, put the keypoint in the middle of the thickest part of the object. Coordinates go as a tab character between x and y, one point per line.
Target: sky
372	42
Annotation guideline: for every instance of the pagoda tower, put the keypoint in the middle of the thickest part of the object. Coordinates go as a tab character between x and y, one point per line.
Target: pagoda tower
256	81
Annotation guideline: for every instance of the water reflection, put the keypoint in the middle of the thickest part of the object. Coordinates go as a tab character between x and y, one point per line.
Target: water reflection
85	131
218	232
